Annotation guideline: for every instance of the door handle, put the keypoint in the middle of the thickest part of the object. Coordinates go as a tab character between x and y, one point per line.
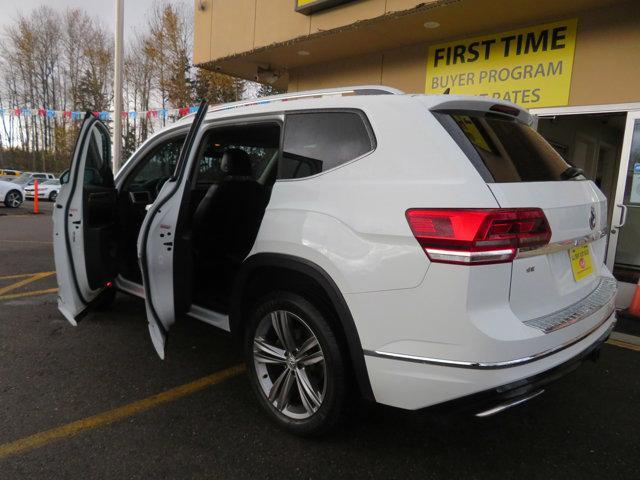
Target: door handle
623	216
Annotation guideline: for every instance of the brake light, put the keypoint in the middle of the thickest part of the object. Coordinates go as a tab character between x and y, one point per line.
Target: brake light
478	236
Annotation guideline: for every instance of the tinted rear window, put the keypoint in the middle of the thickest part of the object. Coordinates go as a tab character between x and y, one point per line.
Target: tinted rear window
502	149
317	141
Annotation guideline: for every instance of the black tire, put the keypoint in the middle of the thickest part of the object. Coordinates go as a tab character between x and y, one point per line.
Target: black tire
13	199
52	196
334	390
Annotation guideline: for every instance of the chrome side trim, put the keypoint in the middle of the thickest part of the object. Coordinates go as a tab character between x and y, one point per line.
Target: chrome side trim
563	245
601	296
495	365
129	287
469	257
217	319
504	406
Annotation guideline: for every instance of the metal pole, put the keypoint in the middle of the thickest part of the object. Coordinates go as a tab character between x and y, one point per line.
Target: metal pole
117	86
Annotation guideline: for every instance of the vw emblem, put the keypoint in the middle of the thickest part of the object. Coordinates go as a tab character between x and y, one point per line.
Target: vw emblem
592	218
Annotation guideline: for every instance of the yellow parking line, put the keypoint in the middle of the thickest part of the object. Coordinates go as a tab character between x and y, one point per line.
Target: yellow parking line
26	281
21	275
74	428
619	343
37	242
33	293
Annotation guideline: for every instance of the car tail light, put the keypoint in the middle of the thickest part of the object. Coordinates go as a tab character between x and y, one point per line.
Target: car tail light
478	236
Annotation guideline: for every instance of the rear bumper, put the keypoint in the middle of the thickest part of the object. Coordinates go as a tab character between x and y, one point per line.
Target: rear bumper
500	398
411	384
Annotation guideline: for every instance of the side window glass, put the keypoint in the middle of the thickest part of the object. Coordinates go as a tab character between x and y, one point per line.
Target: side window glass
97	169
157	166
318	141
251	149
212	169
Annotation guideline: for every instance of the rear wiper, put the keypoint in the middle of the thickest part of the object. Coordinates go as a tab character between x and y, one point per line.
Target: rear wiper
571	173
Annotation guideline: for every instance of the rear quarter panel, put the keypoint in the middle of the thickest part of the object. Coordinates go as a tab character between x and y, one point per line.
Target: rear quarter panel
351	220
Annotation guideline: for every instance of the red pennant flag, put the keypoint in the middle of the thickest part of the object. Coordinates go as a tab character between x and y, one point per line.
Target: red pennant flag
66	114
17	111
124	114
42	112
96	114
183	111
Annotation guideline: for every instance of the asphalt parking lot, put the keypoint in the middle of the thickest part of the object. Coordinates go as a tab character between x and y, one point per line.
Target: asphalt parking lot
96	402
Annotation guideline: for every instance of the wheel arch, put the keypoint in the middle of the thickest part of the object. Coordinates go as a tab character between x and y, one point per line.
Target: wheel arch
263	266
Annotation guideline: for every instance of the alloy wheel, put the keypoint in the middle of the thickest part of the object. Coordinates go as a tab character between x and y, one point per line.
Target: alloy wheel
290	364
13	200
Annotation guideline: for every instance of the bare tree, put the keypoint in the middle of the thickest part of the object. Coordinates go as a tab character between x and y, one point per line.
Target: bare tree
52	61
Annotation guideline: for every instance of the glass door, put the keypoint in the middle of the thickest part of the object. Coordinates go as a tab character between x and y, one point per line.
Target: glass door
623	256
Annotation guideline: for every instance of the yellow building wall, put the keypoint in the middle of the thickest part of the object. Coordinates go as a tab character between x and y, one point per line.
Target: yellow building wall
245	25
606	66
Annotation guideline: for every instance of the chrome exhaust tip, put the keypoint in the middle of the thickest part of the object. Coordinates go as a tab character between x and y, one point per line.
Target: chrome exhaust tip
511	403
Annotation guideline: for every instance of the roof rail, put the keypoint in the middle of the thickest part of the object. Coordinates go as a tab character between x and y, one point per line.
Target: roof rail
325	92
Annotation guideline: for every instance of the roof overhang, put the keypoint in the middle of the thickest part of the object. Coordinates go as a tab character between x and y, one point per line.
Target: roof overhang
456	19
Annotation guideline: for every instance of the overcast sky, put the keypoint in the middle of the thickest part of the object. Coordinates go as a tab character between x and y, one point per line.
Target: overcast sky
134	10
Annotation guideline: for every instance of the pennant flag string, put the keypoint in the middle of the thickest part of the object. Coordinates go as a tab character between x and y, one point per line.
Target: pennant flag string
104	115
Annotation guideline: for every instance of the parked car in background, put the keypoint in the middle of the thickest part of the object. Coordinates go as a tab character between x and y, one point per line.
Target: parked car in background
11	194
9	173
28	178
419	248
47	190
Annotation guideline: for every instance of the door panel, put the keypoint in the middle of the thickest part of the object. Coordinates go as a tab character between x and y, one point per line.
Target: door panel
140	189
161	245
83	220
624	248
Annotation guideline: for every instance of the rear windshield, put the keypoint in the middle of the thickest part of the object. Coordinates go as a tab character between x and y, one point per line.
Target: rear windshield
502	149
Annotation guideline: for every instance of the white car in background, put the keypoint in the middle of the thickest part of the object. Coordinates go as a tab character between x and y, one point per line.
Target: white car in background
47	190
11	194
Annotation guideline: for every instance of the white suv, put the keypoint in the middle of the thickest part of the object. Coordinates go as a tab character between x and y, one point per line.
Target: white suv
417	249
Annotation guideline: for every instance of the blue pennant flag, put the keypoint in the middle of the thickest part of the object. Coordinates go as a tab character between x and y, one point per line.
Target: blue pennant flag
193	109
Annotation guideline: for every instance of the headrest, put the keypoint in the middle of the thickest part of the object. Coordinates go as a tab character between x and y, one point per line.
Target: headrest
236	162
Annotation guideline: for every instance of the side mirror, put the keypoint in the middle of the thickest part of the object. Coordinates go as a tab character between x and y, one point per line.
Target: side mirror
64	178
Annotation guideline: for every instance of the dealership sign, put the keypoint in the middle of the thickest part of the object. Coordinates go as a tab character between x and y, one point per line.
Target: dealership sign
530	66
310	6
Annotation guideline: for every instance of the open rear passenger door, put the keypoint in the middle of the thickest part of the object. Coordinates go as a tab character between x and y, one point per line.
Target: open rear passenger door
164	248
83	222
